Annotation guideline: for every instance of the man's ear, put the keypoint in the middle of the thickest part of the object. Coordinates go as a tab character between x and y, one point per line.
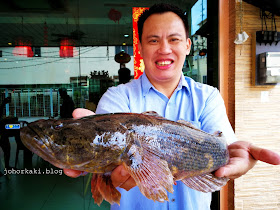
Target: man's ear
140	48
188	47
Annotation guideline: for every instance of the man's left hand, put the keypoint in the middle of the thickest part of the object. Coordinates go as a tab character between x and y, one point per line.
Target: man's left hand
243	157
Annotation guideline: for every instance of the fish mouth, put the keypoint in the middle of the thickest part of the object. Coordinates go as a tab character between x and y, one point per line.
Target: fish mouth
35	143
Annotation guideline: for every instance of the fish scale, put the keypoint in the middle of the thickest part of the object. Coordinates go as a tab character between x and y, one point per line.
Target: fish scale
155	151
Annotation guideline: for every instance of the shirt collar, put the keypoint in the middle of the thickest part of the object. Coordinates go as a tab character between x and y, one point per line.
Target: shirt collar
183	82
147	85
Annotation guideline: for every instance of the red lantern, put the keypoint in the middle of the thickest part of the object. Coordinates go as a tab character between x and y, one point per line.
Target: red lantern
24	51
23	47
114	15
66	48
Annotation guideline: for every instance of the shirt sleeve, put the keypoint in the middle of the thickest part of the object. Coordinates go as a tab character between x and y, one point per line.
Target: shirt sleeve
114	100
214	117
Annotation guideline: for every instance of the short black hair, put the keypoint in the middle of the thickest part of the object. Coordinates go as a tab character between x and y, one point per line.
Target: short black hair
160	9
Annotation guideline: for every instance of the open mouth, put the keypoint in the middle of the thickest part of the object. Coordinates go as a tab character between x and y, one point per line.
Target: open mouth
164	63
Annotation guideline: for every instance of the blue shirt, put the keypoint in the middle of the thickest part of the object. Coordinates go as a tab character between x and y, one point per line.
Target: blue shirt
200	104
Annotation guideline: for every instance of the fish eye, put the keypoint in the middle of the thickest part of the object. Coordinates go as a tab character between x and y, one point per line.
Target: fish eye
57	125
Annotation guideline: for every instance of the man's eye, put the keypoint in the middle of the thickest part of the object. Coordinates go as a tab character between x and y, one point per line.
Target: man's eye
153	41
174	40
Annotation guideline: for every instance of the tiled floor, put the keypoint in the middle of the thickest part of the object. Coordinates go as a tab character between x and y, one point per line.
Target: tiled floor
42	191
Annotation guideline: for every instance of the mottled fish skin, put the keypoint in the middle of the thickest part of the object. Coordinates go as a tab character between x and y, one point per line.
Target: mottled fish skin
153	149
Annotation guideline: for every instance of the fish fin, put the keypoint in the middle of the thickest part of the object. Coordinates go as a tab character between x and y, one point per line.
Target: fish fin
205	182
151	174
102	188
218	134
153	113
98	198
189	124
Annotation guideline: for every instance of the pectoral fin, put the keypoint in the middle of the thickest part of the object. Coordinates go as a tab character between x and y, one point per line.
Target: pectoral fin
205	183
151	174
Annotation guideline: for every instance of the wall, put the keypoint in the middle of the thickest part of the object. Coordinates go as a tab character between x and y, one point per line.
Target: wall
256	120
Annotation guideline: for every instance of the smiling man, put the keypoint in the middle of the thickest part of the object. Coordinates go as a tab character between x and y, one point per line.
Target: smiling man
164	44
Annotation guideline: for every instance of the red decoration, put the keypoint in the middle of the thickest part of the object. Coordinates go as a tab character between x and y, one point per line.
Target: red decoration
114	15
23	48
138	60
45	34
24	51
66	48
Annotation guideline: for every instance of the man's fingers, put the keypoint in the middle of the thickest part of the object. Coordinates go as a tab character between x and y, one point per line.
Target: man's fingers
80	112
265	155
73	173
233	170
121	178
128	184
221	172
243	157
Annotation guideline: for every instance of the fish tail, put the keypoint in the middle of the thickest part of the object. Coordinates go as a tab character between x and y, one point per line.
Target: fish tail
103	189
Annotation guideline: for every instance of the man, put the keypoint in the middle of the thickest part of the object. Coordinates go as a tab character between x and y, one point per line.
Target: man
124	74
67	106
164	43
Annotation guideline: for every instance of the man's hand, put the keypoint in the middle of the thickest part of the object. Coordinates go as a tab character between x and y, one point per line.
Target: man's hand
243	157
120	177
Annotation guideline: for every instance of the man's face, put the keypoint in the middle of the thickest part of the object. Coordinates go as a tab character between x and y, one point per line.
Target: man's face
164	47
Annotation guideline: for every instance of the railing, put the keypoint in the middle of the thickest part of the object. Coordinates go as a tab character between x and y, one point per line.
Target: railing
32	102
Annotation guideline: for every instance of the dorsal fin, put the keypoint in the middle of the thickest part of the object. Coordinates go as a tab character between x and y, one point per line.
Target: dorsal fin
189	124
153	113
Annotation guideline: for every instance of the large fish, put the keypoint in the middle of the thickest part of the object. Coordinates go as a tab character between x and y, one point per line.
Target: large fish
155	151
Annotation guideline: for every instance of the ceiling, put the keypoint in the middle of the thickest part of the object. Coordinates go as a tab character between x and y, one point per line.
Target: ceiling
46	22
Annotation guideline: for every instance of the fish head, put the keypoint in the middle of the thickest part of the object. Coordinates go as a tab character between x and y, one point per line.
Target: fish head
49	139
75	144
45	132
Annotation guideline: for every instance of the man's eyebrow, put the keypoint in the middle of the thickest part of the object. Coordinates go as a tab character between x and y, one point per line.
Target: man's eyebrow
152	36
175	34
170	35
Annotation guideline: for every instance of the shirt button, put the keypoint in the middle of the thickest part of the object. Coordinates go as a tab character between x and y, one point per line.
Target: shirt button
173	199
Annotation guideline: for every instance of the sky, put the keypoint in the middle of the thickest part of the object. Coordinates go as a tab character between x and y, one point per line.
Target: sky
197	14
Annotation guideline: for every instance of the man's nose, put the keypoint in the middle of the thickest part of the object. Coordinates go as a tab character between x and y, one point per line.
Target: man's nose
164	47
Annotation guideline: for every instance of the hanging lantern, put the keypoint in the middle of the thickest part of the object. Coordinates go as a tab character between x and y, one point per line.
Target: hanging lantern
66	48
122	57
114	15
23	47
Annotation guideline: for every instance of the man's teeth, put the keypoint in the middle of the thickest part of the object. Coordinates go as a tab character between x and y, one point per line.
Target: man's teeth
164	63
